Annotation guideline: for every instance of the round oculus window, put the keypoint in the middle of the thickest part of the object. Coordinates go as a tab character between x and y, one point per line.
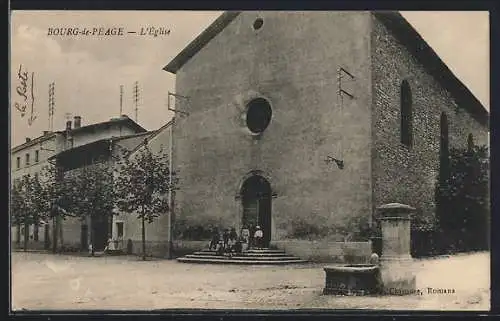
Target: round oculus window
257	24
258	115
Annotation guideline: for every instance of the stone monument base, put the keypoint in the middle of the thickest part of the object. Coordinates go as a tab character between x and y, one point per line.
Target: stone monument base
397	276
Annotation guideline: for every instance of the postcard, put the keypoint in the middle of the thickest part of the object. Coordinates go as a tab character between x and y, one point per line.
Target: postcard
255	160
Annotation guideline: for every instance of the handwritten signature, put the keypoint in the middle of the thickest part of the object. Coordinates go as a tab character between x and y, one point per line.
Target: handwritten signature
22	91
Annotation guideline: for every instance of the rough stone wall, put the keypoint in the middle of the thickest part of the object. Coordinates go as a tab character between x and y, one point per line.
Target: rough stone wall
292	61
402	174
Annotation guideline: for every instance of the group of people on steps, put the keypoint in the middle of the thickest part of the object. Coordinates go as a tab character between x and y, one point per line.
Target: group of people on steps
229	242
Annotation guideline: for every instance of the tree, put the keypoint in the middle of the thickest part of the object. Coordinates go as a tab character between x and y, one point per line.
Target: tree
89	196
17	204
142	185
464	198
55	191
27	203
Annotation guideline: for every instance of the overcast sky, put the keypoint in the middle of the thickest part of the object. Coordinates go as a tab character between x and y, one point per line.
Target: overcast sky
88	71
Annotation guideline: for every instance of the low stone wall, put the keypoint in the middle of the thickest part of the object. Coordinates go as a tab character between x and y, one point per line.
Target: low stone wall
327	251
158	249
32	245
183	247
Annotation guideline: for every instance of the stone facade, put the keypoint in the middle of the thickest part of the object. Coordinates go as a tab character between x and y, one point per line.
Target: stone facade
293	65
333	81
401	173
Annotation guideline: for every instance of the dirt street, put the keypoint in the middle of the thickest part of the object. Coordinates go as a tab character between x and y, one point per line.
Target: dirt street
45	281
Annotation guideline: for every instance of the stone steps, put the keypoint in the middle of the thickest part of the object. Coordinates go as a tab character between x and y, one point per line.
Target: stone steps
254	256
243	257
248	254
256	251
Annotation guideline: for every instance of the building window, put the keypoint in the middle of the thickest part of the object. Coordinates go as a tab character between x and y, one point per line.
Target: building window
119	229
444	132
37	155
35	232
27	159
470	142
406	115
18	162
444	159
257	24
258	115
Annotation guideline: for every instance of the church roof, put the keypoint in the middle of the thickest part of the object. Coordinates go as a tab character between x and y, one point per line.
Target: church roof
401	29
199	42
415	44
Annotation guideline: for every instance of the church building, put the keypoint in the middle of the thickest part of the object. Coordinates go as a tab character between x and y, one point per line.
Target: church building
305	122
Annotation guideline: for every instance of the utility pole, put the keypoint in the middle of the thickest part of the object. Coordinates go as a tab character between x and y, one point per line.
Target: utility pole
121	101
121	106
52	103
136	100
171	166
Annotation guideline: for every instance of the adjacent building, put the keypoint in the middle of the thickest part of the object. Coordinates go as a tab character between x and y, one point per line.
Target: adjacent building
70	150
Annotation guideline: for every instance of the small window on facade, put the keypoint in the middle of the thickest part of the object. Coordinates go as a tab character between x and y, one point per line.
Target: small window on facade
257	24
444	161
27	159
406	115
258	115
444	132
37	155
470	142
18	162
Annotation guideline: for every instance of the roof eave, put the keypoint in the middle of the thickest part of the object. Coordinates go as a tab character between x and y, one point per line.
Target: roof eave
435	65
32	142
200	41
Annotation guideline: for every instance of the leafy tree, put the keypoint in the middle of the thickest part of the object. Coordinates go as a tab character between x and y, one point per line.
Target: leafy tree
464	199
141	187
27	203
17	204
56	193
89	195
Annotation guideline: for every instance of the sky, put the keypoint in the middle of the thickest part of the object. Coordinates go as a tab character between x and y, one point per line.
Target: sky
89	70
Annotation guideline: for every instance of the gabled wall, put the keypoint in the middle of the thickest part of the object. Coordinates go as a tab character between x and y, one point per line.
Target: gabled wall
292	61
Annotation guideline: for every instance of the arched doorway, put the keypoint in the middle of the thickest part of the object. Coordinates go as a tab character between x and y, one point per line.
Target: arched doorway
256	197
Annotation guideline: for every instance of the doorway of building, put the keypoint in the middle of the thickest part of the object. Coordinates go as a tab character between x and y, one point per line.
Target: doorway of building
100	227
46	236
84	240
256	197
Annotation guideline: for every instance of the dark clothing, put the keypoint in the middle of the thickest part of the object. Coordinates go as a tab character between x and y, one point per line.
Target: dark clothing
225	238
238	247
233	235
251	239
215	239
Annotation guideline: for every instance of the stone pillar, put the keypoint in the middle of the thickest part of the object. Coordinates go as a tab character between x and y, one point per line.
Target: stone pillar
396	261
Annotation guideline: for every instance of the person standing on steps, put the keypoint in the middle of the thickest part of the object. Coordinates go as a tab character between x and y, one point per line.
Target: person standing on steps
225	238
258	237
233	238
251	230
215	239
245	238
